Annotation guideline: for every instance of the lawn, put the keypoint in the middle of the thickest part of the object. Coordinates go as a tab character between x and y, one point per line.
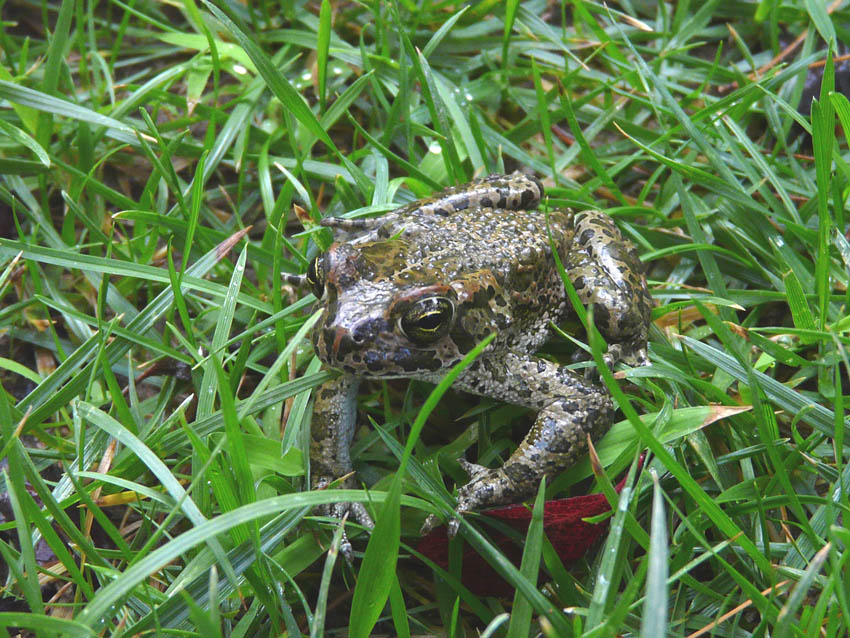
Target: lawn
163	166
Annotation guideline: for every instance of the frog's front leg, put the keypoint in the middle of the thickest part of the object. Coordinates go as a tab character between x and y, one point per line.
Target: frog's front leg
570	409
334	420
606	272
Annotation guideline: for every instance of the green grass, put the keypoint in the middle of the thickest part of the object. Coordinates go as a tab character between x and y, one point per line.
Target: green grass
162	164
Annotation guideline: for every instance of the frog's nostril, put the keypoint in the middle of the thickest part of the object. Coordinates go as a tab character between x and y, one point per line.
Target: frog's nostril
360	332
366	330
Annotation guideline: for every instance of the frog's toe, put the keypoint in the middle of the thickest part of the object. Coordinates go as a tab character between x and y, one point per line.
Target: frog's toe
430	523
434	521
635	354
345	549
613	356
344	544
473	469
641	357
361	515
343	512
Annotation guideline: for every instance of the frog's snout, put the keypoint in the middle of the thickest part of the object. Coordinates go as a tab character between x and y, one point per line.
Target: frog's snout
335	344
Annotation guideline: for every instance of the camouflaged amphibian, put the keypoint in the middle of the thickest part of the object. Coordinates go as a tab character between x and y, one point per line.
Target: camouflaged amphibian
410	293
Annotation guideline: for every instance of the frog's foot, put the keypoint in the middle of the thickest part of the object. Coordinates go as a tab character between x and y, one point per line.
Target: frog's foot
355	511
486	487
343	511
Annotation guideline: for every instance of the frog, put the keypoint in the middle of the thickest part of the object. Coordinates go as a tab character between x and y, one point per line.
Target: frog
409	294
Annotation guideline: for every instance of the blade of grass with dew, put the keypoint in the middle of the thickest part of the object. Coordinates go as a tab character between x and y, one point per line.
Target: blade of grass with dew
438	36
820	18
815	414
459	119
798	304
768	429
341	104
608	577
435	107
823	136
207	389
78	261
15	134
409	168
57	106
588	154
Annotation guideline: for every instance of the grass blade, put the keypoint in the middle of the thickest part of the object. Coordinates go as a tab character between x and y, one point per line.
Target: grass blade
654	621
520	624
323	41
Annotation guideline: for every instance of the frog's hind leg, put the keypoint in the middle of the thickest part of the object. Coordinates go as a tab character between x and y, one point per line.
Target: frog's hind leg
571	410
607	273
516	191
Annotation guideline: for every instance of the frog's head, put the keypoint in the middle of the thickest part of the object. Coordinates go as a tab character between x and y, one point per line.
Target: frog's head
385	316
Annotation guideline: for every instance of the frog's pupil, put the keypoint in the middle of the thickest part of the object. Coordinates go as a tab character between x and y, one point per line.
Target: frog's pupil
431	321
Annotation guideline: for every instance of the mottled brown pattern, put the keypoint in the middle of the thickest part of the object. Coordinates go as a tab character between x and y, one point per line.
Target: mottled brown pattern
408	294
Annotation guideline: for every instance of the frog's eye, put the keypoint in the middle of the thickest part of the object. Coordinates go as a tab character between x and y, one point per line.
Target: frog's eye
316	276
427	319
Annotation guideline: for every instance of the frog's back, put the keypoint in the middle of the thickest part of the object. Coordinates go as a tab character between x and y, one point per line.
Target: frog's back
507	242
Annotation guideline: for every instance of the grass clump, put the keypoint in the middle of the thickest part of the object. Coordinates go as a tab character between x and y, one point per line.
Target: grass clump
161	165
